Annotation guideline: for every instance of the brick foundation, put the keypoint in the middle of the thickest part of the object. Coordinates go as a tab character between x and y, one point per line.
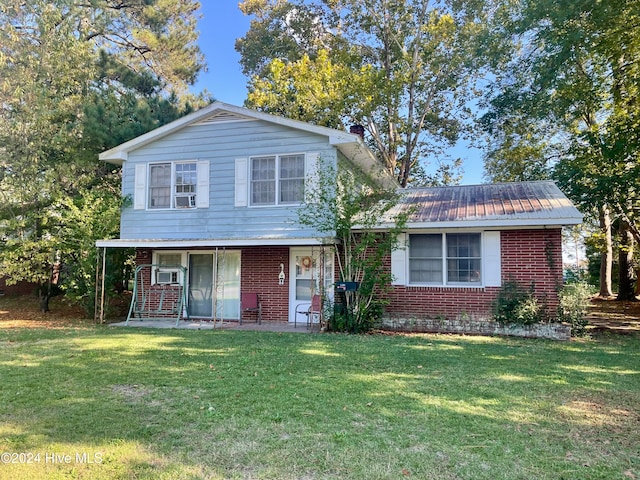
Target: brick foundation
476	326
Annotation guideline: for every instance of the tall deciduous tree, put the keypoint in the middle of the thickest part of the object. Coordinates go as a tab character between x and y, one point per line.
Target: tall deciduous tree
403	69
568	93
64	65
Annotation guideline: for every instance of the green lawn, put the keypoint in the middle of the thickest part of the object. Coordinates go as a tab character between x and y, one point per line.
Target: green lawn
143	404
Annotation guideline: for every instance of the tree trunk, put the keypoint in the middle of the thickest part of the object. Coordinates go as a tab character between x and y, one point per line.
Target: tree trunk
607	253
626	290
44	293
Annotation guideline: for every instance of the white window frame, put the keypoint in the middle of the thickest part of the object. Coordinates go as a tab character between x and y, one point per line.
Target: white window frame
173	205
157	269
277	179
444	259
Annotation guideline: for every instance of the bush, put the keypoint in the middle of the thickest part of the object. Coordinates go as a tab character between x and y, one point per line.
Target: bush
348	321
574	300
516	304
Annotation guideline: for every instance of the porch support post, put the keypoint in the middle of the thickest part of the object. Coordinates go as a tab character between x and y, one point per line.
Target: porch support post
104	274
97	291
98	313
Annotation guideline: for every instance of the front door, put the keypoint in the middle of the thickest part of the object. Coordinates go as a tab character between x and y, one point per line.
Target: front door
214	284
306	276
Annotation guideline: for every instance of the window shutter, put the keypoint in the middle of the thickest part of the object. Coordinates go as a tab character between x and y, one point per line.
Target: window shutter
399	261
202	192
311	176
492	261
140	187
242	183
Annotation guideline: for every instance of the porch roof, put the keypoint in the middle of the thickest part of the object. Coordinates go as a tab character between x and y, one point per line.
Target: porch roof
204	243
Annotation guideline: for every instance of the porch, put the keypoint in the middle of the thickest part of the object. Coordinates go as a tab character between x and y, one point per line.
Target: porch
278	327
208	282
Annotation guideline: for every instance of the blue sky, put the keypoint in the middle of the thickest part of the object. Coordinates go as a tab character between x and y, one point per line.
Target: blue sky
221	24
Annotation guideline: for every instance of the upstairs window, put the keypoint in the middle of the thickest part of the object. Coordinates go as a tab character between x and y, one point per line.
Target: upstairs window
172	185
277	180
186	177
160	186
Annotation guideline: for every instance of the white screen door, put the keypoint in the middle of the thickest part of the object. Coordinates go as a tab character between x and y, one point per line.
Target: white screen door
305	277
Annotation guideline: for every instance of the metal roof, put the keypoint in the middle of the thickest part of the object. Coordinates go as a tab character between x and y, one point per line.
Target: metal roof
498	204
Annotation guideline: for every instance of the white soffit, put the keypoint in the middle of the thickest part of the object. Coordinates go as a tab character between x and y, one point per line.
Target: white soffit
227	242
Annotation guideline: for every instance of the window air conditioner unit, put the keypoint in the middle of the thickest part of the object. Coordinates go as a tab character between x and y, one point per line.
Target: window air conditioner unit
166	276
186	201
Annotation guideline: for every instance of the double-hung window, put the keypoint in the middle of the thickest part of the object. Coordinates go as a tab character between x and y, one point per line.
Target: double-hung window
172	185
445	259
186	178
277	179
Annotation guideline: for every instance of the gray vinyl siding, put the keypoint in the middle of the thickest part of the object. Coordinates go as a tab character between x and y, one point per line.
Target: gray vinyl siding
220	144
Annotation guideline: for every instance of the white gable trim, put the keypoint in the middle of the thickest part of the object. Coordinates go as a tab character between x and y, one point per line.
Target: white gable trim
120	153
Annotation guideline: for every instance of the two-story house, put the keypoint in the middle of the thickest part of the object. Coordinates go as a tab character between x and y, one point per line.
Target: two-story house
213	210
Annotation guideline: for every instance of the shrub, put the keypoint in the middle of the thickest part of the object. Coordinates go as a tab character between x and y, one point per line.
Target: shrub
516	304
572	309
346	320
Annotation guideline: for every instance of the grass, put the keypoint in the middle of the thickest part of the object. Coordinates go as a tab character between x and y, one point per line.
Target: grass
144	404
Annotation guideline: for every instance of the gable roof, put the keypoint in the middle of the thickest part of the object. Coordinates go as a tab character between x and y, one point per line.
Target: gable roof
518	204
351	145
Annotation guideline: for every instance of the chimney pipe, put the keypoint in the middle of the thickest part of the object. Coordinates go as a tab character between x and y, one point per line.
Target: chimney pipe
357	129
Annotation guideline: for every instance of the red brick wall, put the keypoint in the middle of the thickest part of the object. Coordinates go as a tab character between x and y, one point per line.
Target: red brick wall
526	256
534	256
260	267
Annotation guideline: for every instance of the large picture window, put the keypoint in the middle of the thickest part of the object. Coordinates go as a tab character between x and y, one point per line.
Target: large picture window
172	185
277	179
449	259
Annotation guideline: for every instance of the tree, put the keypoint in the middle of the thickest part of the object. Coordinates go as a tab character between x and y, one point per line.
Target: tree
349	208
61	63
403	69
570	82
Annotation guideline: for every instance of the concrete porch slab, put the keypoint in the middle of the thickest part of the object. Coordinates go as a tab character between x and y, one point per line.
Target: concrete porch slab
207	325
